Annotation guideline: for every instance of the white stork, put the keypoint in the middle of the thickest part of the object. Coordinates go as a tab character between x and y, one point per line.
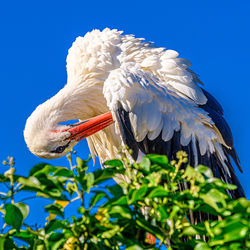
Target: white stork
139	95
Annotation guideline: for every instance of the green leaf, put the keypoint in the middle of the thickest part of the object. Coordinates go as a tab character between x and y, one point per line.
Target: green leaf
113	163
56	209
90	180
115	190
235	246
41	168
207	172
119	201
111	233
123	211
54	225
235	230
222	184
154	179
163	212
62	171
240	206
31	183
134	247
24	208
25	236
202	246
175	210
142	223
138	194
13	216
191	173
158	192
52	194
190	231
58	244
145	164
82	164
215	199
96	198
56	236
102	175
56	240
159	159
3	178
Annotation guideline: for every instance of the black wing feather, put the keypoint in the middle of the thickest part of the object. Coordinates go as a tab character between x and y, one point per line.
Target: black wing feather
212	102
171	147
221	124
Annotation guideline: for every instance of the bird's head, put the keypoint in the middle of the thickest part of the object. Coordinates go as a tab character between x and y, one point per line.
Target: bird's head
54	143
89	62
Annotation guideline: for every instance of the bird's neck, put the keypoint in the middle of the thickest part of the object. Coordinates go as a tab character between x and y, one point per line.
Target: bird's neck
70	103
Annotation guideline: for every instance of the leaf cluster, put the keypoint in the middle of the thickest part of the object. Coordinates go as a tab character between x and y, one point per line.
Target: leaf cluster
152	199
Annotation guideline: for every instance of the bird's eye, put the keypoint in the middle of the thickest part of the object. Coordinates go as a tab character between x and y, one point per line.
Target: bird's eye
59	149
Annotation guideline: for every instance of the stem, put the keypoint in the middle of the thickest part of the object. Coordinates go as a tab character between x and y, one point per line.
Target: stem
34	232
79	192
28	198
6	185
76	198
11	187
177	167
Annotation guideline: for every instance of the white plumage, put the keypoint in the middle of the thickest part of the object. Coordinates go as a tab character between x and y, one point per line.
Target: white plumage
152	94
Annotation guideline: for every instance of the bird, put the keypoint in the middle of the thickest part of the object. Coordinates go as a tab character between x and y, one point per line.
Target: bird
127	91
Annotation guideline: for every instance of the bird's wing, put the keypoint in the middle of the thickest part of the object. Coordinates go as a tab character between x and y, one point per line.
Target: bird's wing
154	119
174	73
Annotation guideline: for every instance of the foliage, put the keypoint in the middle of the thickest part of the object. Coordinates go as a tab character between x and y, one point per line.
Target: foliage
147	201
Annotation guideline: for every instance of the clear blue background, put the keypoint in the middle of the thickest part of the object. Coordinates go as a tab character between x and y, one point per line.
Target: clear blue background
36	35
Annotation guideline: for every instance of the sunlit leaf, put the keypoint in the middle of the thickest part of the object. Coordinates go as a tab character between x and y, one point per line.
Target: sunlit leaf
31	183
202	246
145	164
24	208
134	247
191	173
158	192
207	172
41	168
121	210
215	199
90	180
110	233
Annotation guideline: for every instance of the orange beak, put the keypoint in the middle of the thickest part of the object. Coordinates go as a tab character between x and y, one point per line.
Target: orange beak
89	127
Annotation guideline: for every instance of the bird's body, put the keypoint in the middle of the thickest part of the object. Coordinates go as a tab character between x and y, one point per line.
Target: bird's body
155	100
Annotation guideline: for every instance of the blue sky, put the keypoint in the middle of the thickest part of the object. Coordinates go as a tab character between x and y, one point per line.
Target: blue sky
36	35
